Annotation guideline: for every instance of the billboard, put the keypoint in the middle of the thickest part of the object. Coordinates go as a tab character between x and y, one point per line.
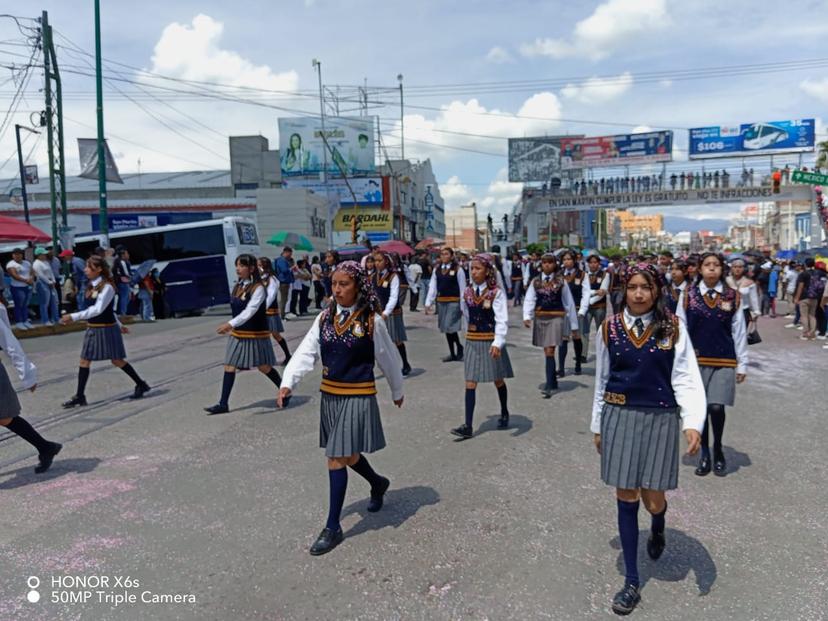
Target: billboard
794	136
621	150
535	159
371	219
350	146
368	190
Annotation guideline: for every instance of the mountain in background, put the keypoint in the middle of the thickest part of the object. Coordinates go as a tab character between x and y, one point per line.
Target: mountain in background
677	224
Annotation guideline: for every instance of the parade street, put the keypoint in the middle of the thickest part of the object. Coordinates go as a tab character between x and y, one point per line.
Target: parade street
159	498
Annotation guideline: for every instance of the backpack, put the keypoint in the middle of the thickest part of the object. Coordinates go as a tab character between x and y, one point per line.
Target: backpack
816	285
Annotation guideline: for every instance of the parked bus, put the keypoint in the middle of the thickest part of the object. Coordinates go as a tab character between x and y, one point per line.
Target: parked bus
196	261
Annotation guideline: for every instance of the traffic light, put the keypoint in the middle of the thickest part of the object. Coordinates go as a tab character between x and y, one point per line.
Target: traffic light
777	180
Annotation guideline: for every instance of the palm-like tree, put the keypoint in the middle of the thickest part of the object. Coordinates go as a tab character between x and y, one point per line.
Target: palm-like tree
822	155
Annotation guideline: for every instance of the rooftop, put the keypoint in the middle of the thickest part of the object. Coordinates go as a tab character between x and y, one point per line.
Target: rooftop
132	181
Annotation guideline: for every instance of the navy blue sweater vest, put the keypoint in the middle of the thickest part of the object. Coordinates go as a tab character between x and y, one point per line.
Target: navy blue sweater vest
382	285
575	280
710	326
448	290
595	281
273	309
641	369
481	314
549	297
107	316
255	327
347	354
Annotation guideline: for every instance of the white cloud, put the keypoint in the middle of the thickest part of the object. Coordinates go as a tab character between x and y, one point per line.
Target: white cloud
499	56
497	198
192	52
611	24
816	88
599	90
667	83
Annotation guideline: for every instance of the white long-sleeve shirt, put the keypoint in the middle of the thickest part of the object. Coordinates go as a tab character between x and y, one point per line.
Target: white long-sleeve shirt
501	313
394	295
506	272
591	297
750	296
272	290
386	355
258	298
531	298
43	271
738	327
432	285
26	371
104	298
685	379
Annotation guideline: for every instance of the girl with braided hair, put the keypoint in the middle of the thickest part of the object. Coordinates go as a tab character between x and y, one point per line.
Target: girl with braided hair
350	337
485	309
647	388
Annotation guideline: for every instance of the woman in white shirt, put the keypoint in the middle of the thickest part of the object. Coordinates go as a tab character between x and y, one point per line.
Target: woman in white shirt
9	404
20	273
45	288
103	339
748	290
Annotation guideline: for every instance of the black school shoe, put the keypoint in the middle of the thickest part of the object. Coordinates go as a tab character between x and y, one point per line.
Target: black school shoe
451	358
74	402
217	409
626	599
406	370
655	545
459	356
703	468
463	431
719	465
578	368
377	495
561	372
140	390
503	423
47	457
326	541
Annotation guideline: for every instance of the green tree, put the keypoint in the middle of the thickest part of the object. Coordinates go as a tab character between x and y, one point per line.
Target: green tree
822	155
538	248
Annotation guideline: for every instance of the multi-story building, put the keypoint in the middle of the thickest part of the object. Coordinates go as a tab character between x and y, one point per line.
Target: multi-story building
630	222
463	228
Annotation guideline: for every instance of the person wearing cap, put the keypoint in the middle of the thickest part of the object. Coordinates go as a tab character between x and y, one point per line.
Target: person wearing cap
45	287
122	273
22	279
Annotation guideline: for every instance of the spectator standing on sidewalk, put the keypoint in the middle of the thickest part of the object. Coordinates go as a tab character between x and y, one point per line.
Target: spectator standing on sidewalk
316	279
805	298
415	270
122	273
22	279
45	288
284	274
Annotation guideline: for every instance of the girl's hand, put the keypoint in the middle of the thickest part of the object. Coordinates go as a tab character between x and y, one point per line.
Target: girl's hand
33	388
224	328
693	441
124	330
399	402
66	319
494	352
596	440
527	323
741	377
284	393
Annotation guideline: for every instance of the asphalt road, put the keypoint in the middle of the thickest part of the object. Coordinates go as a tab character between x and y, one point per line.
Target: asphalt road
158	498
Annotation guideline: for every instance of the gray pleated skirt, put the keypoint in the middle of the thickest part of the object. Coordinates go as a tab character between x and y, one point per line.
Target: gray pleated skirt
640	448
719	384
479	366
249	353
396	328
103	344
274	323
350	424
547	331
9	404
449	317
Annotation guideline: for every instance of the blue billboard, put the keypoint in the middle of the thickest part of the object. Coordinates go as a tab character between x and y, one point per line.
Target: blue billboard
795	136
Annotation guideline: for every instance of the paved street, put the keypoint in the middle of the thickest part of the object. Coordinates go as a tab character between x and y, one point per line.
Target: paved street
509	525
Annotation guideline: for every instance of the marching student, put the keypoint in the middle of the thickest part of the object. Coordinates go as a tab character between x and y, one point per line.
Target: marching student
274	317
387	283
447	282
549	301
10	405
517	279
594	302
350	337
103	339
486	311
716	326
677	285
748	292
574	277
248	345
647	390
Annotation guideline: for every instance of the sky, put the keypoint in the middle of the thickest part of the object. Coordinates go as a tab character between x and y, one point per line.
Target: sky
474	73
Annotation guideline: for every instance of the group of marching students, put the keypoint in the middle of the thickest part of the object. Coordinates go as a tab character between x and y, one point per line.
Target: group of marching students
670	347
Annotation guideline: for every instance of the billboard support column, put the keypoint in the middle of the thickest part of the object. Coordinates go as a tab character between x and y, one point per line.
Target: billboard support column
318	66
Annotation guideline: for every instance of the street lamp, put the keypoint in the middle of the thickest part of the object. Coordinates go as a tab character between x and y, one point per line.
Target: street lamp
317	65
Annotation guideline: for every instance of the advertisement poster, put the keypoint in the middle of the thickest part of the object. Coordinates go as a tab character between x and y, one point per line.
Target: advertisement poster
621	150
797	136
349	149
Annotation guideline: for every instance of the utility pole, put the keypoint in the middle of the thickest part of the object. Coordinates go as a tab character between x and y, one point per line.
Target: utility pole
17	129
402	118
103	217
316	64
53	120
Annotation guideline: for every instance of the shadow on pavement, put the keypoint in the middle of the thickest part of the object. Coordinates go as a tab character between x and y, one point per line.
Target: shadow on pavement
400	505
518	425
564	385
415	372
682	555
26	475
735	460
270	404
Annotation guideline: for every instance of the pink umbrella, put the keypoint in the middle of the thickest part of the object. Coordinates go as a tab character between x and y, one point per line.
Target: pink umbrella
395	245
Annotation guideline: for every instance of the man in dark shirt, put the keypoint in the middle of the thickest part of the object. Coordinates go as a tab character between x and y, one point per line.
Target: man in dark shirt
284	273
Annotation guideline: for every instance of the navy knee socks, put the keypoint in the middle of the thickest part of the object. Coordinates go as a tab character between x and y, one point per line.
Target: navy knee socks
226	388
579	352
563	349
502	394
470	394
339	486
83	377
133	374
658	520
628	531
551	376
364	469
273	376
22	428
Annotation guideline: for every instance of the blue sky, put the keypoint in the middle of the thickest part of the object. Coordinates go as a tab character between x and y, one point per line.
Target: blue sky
590	64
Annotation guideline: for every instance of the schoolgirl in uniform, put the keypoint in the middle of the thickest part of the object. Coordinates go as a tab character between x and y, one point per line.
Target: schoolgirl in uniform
350	337
10	405
594	302
103	339
447	283
574	278
387	285
678	283
517	279
747	290
647	389
549	302
486	311
274	317
248	345
717	328
367	263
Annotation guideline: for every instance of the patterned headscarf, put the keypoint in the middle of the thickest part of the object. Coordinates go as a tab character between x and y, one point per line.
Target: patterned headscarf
488	263
390	265
365	289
